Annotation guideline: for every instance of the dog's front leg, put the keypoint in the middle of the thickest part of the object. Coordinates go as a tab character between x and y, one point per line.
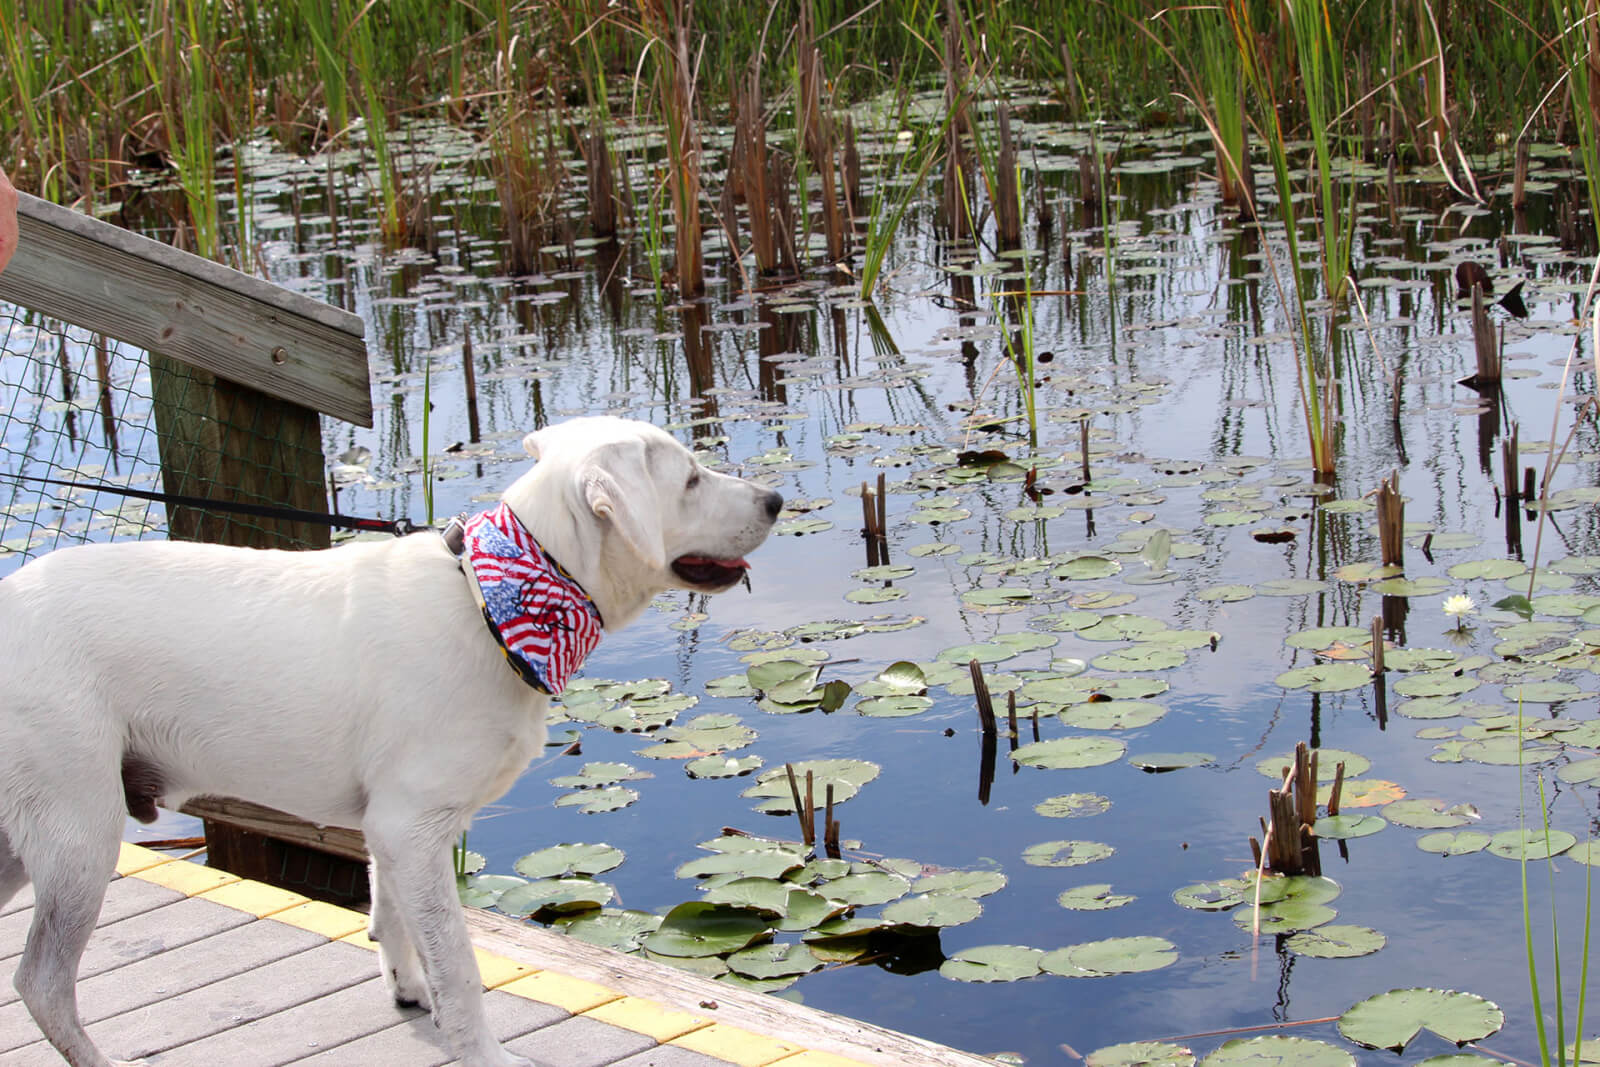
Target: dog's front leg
397	953
412	858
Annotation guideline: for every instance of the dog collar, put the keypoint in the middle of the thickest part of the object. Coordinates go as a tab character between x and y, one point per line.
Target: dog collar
538	613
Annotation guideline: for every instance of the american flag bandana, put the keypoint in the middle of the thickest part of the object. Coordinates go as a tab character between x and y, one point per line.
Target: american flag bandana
542	618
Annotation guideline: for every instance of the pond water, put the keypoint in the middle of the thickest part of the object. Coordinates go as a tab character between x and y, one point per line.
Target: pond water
1151	584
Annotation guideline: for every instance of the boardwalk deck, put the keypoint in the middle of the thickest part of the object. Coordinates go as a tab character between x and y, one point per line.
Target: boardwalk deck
194	966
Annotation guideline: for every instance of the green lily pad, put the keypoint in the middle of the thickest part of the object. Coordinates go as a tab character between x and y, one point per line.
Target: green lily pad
1276	1051
1289	587
1141	1054
1073	805
1418	659
1065	752
1530	844
893	707
754	863
598	776
865	888
1345	827
624	931
773	961
1408	587
1112	714
847	776
966	883
555	895
1160	762
1542	693
1217	895
481	891
993	963
699	928
1429	813
1113	955
1065	853
598	801
721	766
1096	897
1435	684
1454	842
1336	941
1328	760
561	860
1390	1020
1141	657
933	910
1326	677
1489	569
1225	594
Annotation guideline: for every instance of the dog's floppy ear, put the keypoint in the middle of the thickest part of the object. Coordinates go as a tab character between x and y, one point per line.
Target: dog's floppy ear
530	443
616	485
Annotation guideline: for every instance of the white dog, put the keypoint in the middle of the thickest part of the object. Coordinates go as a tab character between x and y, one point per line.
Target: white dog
364	686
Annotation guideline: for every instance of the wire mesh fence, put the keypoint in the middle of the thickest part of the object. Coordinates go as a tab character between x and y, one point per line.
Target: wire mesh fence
78	407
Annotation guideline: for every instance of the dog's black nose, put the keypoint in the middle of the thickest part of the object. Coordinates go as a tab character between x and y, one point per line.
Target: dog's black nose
773	504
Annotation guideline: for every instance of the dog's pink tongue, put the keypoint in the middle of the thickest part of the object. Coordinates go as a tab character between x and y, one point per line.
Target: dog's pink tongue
707	561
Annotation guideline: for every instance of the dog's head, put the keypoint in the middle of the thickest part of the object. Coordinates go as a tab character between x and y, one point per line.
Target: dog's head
630	512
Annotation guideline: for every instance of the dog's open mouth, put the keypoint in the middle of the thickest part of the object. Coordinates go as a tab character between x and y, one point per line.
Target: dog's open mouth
702	572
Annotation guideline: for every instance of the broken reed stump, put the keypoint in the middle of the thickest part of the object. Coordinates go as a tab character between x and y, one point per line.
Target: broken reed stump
1291	844
980	690
1485	344
1509	450
1391	521
874	522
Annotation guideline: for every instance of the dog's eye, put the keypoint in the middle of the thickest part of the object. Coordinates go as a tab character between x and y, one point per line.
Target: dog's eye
694	480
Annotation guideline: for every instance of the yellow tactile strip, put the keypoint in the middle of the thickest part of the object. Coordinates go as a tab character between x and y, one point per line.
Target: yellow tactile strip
657	1021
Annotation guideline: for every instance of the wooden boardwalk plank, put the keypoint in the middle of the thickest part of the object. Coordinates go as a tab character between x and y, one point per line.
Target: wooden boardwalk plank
192	968
102	277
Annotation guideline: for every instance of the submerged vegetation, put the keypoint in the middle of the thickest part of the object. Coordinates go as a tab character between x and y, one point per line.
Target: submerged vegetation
814	156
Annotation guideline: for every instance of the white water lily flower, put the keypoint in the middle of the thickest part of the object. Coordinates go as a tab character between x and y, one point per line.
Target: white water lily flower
1458	606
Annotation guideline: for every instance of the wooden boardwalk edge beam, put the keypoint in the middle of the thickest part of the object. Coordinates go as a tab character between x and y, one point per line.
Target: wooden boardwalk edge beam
756	1012
104	278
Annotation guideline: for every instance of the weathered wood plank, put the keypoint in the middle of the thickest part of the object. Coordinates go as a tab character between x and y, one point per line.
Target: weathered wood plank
756	1012
115	282
266	821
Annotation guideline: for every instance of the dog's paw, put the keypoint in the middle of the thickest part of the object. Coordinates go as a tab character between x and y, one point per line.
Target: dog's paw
405	979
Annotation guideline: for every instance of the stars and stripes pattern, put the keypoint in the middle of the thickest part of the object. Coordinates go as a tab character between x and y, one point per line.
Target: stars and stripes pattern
542	617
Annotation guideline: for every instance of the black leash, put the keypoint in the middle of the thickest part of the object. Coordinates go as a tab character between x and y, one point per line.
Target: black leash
398	527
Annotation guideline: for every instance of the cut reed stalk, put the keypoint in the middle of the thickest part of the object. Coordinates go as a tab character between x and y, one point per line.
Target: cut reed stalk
1391	510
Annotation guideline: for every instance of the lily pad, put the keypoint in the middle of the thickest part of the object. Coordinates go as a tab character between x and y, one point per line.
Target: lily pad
933	910
1328	760
557	895
1326	677
1390	1020
1065	752
561	860
699	928
1113	955
993	963
1112	714
1276	1051
1160	762
1429	813
1073	805
966	883
1065	853
1530	844
1096	897
1141	1054
1336	941
1345	827
611	928
773	961
1454	842
847	776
